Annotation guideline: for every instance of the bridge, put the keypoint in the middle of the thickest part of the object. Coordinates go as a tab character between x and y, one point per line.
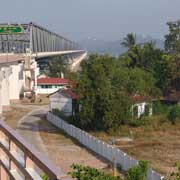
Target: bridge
37	42
23	47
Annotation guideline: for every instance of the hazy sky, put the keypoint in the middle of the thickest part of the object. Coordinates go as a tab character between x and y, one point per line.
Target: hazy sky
102	19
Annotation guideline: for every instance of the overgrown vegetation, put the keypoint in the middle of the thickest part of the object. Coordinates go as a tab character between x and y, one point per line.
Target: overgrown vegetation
105	89
80	172
62	116
174	114
138	172
44	177
175	175
105	85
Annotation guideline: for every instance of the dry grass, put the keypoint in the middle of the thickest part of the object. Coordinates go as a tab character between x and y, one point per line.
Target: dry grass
64	151
14	115
158	142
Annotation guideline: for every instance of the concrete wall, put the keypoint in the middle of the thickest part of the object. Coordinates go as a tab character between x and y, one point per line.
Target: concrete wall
0	91
62	103
101	148
15	84
5	86
11	83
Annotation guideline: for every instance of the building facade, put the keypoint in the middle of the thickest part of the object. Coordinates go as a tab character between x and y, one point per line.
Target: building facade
12	81
49	85
65	101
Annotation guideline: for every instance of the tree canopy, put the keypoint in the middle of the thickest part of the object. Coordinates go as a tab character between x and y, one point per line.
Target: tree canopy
129	40
105	89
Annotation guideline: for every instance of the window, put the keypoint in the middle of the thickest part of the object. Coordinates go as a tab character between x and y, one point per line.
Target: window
46	86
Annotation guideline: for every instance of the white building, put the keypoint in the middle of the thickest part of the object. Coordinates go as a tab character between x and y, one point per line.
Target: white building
49	85
64	100
12	81
141	106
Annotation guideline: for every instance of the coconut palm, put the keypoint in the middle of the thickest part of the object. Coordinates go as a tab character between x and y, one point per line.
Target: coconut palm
129	40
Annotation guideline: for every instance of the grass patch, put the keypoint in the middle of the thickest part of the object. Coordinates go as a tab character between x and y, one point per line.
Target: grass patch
157	141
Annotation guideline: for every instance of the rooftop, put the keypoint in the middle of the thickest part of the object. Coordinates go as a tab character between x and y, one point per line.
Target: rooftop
64	92
48	80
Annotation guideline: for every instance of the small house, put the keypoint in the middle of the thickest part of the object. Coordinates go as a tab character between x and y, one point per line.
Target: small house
142	106
47	85
65	100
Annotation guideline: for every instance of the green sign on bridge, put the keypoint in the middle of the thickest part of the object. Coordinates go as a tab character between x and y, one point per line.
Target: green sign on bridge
11	29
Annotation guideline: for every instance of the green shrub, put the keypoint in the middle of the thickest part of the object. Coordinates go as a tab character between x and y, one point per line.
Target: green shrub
60	114
136	123
44	177
160	108
87	173
174	114
138	172
175	175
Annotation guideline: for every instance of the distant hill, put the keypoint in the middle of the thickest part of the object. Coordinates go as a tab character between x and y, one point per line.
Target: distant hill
113	47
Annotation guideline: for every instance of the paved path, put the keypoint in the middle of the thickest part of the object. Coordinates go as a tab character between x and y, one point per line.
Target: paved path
52	142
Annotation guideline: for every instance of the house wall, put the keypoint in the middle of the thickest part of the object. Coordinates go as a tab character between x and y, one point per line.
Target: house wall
40	90
5	86
15	82
11	83
62	103
0	91
141	109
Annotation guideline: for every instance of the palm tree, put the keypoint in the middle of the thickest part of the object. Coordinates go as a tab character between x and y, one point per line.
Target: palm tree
129	40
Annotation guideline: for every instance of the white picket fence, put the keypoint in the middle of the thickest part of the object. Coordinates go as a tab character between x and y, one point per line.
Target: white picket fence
101	148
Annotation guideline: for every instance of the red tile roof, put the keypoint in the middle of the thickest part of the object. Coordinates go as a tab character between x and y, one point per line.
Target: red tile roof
138	98
69	93
49	80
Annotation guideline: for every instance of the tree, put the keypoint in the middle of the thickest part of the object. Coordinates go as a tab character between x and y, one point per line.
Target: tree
142	83
172	47
55	67
129	40
103	101
105	89
172	42
145	57
174	114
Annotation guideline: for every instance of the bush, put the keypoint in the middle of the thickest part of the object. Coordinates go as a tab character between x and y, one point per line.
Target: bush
175	175
44	177
60	114
80	172
160	108
138	172
143	120
136	123
174	114
87	173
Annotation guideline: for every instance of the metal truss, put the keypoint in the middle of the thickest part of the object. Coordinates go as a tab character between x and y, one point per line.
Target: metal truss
34	38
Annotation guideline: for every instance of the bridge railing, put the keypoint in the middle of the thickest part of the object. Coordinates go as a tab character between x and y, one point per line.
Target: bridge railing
21	161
